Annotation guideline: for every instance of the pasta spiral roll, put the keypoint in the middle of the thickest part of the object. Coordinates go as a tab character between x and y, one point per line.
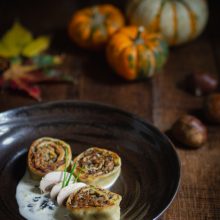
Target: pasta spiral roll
48	154
93	203
98	167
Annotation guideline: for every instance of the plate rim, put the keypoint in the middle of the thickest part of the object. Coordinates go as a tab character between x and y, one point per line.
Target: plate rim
110	107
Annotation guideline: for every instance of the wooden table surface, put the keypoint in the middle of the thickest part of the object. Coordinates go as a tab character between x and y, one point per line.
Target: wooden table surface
160	100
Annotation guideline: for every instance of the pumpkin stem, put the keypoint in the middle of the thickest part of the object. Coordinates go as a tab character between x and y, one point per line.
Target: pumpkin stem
138	39
98	18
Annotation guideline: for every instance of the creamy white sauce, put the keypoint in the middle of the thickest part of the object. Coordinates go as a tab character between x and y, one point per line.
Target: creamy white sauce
33	205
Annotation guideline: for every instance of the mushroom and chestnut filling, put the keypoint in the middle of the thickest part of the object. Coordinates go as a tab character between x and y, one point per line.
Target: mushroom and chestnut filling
97	162
90	197
48	154
45	157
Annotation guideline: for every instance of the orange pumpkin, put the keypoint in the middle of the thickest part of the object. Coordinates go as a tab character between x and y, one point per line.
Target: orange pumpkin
92	27
136	53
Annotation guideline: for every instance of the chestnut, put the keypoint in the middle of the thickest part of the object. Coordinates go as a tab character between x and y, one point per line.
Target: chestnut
189	131
212	107
201	83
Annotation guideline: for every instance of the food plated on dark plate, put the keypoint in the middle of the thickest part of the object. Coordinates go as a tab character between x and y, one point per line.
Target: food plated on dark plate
88	155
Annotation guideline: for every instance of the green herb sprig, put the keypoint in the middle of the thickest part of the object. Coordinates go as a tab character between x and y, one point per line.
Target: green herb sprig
66	157
71	173
65	180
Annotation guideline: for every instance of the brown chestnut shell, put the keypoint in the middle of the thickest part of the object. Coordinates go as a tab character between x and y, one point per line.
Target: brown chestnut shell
212	108
189	131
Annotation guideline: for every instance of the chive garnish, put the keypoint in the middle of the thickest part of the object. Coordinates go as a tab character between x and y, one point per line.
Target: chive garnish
71	173
64	178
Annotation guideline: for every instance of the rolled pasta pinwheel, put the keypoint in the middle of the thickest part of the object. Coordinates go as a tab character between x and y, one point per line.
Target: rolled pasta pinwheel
98	167
47	154
93	203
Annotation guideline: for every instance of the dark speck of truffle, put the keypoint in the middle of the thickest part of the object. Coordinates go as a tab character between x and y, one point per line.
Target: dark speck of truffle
36	198
44	204
51	207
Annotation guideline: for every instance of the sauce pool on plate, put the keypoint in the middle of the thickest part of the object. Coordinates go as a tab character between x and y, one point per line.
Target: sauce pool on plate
33	205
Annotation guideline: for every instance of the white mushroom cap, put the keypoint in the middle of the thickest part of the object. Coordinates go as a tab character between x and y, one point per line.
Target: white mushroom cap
51	179
66	191
55	190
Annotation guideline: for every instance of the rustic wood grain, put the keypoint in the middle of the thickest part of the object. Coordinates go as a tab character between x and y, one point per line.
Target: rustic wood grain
160	101
199	194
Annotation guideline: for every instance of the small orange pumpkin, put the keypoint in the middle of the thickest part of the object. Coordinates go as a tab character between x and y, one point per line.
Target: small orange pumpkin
135	53
92	27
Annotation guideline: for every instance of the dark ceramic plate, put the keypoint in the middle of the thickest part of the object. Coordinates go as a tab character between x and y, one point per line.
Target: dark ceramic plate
150	166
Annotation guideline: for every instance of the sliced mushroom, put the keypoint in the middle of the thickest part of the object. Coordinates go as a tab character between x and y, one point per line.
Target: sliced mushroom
51	179
55	190
66	191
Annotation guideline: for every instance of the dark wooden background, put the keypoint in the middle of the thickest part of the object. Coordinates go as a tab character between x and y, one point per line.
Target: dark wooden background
160	100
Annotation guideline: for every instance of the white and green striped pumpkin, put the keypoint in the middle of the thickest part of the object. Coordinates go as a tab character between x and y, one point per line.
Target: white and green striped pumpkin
178	20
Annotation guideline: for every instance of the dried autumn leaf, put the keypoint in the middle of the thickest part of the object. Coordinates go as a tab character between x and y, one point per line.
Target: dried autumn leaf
32	90
16	60
8	52
36	46
46	60
4	64
14	40
24	75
